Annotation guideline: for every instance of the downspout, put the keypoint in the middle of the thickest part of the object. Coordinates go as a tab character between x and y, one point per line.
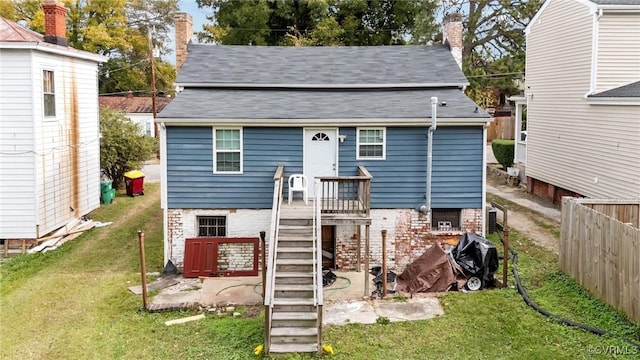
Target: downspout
593	83
432	129
163	192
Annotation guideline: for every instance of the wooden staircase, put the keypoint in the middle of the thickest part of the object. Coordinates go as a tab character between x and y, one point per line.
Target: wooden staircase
295	324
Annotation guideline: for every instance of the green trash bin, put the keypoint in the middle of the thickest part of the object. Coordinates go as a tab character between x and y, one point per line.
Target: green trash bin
106	192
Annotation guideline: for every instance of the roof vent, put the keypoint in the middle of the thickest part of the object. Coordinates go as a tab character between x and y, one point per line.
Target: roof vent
443	103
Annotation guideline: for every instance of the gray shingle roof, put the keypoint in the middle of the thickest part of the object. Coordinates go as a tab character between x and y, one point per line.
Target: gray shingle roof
616	2
199	103
221	64
629	90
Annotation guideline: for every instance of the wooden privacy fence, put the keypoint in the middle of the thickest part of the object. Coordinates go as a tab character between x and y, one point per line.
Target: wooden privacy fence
600	248
502	127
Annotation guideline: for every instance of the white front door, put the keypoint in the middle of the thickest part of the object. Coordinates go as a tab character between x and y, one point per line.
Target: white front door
320	154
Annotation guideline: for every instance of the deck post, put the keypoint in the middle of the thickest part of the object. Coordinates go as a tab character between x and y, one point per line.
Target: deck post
384	263
263	255
366	260
359	248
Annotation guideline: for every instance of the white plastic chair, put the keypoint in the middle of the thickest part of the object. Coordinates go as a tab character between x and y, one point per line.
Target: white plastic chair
298	182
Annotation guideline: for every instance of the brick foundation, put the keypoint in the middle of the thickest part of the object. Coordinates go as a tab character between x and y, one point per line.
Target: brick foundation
182	224
408	236
548	191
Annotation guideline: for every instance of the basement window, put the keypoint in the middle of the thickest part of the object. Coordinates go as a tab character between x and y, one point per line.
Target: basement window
49	93
212	226
445	219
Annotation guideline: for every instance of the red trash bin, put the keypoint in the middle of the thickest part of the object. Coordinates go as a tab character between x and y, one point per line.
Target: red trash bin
134	182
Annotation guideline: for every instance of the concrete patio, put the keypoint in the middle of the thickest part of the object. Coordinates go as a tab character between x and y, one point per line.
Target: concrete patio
344	299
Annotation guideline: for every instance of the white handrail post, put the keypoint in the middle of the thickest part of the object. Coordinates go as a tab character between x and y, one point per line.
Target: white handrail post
318	240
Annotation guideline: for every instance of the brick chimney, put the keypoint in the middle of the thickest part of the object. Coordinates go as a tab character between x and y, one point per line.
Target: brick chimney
184	33
55	26
452	35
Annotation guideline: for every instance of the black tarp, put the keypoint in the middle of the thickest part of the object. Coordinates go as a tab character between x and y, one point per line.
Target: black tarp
476	256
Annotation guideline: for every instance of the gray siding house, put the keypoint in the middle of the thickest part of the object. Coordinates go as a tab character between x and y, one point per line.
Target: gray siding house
583	100
332	113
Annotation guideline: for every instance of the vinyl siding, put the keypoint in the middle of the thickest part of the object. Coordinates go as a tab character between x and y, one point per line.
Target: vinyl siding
76	95
618	50
17	164
588	149
399	181
191	182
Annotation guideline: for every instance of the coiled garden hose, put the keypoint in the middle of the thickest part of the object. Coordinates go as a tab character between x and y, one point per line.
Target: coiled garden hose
564	321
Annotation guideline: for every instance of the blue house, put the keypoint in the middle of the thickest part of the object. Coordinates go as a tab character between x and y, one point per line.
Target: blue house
385	136
243	111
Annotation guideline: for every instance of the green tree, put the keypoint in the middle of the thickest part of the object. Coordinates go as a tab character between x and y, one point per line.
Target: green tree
118	29
319	22
122	146
494	43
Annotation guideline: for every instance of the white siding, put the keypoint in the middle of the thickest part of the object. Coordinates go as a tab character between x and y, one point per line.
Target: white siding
76	113
17	160
591	150
618	50
144	122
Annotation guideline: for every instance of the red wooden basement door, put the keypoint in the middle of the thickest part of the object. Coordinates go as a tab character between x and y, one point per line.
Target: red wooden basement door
221	257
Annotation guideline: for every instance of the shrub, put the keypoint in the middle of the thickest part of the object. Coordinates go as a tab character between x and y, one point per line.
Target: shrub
503	151
122	147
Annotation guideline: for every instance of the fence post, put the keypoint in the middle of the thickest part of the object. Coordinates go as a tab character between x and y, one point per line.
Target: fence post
143	271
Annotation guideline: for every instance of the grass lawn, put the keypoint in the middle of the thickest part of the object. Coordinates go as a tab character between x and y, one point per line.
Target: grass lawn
73	303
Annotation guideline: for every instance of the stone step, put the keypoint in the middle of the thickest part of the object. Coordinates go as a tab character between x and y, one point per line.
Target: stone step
293	348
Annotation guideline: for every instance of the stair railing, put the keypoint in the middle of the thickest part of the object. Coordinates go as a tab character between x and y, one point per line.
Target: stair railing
278	184
318	297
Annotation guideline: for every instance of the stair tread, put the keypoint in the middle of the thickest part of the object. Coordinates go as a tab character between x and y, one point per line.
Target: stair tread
294	261
294	315
293	348
292	301
294	287
300	249
285	274
294	331
296	227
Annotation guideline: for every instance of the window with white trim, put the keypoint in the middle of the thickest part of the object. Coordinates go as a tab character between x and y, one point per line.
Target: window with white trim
227	151
48	93
371	144
212	226
445	219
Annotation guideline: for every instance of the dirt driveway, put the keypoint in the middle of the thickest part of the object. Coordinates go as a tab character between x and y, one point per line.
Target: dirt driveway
530	216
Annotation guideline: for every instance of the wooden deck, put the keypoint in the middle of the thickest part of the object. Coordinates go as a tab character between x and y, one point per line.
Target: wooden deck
298	209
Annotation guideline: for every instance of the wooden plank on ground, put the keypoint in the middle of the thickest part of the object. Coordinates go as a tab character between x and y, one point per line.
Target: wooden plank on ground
184	320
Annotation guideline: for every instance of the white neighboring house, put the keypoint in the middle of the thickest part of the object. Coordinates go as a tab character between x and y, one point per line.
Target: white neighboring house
583	100
49	132
138	109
